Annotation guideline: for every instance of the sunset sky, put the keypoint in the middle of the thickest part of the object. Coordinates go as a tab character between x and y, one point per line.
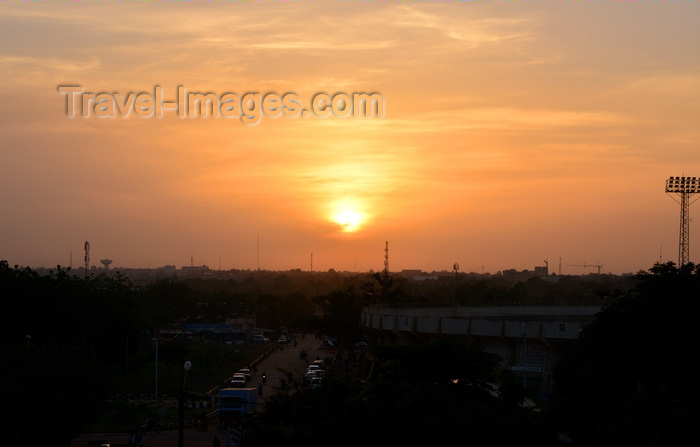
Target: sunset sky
513	132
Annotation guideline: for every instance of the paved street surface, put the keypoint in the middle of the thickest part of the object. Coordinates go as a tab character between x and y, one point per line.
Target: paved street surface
273	365
288	360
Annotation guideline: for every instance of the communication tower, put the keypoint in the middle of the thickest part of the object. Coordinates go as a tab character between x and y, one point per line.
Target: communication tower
87	257
386	257
684	187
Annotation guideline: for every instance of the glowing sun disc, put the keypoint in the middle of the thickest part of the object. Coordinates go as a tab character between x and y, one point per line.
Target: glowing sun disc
349	220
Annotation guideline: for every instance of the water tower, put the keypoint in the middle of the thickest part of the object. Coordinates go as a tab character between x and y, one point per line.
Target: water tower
106	263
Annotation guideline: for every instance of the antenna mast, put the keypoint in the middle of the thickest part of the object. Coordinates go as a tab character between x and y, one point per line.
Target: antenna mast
87	258
386	257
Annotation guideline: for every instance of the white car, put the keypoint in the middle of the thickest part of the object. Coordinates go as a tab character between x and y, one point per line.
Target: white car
260	339
238	381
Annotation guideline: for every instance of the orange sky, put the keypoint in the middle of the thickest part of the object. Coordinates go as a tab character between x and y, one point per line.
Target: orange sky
513	132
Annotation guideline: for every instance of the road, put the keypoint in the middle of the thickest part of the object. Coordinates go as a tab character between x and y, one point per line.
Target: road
287	359
274	365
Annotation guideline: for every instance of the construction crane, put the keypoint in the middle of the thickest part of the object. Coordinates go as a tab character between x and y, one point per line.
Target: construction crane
584	265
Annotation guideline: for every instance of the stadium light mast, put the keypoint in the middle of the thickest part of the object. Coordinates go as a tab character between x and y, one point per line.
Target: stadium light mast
685	188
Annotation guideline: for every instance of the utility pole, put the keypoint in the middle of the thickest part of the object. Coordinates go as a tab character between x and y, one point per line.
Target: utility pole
524	356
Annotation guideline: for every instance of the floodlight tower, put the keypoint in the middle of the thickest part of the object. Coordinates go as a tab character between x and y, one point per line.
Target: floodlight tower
685	187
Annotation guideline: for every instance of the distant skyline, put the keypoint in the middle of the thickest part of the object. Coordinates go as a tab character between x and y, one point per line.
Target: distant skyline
513	132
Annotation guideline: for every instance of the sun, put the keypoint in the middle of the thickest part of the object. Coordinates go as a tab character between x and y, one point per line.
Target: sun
348	219
349	213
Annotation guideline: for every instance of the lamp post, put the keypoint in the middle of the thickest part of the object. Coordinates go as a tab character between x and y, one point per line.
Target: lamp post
156	340
524	357
221	338
455	267
181	406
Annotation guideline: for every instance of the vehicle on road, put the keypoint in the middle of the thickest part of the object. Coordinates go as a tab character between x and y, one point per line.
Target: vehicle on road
320	363
313	373
237	403
246	373
238	380
258	338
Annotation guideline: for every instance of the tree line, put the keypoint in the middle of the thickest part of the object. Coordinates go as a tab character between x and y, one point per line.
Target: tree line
629	377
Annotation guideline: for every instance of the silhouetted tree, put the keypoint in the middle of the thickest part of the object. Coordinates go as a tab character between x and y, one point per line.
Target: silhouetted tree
439	393
632	377
340	313
61	339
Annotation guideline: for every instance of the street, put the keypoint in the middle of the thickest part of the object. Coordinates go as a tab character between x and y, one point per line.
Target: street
273	365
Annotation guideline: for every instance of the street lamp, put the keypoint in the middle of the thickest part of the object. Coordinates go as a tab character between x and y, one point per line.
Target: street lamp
221	337
524	356
181	406
456	269
156	340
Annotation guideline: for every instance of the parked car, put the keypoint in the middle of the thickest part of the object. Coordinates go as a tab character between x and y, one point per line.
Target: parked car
238	380
319	363
314	371
260	339
315	382
246	373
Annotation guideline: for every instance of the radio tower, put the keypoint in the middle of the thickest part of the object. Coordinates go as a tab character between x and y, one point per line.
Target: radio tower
386	257
87	257
685	187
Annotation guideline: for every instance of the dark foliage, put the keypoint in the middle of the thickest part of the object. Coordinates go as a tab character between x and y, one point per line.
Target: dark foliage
61	338
632	378
434	394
